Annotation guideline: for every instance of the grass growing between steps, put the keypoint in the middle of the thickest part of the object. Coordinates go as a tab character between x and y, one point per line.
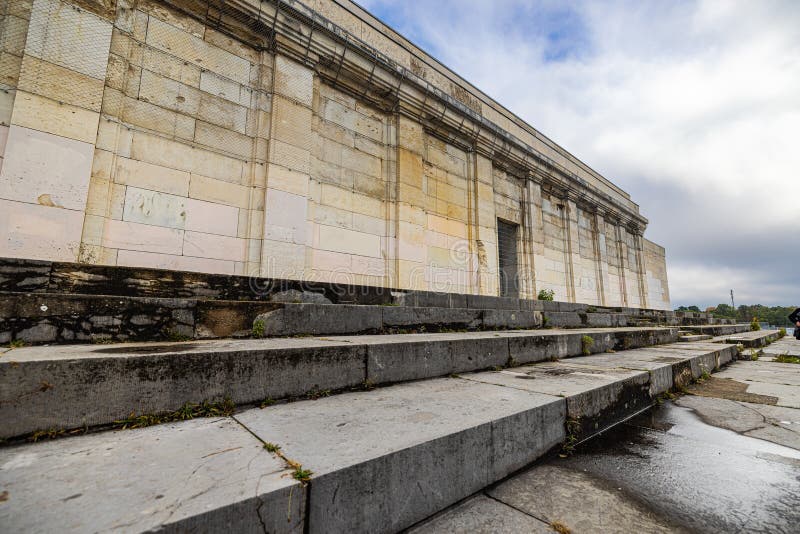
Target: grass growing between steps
188	411
786	358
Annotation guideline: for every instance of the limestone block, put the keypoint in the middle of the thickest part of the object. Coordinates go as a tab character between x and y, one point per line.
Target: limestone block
46	169
369	206
369	225
150	116
172	67
224	140
10	66
176	155
234	46
151	207
284	179
142	237
289	156
211	218
291	123
285	217
283	260
6	106
153	177
70	37
39	232
293	80
214	246
177	263
43	114
61	84
3	139
193	49
222	113
349	241
332	216
337	197
326	260
224	88
205	188
169	93
411	136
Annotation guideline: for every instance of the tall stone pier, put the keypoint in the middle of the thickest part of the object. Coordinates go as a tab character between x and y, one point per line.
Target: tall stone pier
295	140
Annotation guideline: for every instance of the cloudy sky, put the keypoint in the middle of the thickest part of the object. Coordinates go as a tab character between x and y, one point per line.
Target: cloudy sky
691	107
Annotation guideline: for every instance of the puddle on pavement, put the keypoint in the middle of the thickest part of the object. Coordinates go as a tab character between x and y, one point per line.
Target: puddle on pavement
701	477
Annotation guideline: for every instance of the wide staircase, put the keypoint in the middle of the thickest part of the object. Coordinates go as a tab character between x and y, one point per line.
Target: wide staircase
275	406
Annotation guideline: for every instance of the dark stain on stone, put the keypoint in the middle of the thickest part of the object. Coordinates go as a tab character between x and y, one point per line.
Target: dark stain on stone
149	349
726	388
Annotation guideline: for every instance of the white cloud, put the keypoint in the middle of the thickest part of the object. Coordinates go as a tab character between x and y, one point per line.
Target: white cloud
700	100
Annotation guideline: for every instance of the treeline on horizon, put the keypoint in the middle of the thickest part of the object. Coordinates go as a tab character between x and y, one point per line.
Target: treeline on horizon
774	315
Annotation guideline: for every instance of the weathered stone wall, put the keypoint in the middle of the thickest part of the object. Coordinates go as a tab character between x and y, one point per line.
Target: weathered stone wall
655	263
280	143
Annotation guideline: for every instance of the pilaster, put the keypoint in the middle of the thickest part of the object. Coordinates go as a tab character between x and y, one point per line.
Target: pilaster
286	233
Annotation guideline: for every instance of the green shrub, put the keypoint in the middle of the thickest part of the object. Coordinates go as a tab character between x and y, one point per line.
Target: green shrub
546	294
755	325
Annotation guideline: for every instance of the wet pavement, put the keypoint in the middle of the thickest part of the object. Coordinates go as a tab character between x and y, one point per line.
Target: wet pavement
702	463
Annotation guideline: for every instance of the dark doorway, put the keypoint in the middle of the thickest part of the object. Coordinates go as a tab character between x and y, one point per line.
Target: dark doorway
507	258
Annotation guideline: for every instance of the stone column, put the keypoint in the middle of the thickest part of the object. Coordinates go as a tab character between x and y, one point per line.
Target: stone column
486	227
642	271
601	253
51	135
536	230
289	163
622	254
411	217
573	254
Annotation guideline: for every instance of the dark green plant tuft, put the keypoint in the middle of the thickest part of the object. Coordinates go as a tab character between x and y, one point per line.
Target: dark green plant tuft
271	447
586	345
303	475
258	328
546	294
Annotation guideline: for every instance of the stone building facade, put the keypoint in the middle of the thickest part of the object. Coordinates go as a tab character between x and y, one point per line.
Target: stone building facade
286	139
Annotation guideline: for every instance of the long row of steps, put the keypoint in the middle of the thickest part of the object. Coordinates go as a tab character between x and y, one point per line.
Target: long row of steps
378	460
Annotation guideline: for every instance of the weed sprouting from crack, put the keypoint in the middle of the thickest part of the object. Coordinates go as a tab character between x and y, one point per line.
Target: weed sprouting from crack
586	345
573	428
188	411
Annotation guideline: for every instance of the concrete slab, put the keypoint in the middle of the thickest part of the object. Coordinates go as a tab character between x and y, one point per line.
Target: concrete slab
781	380
482	515
788	345
208	475
553	494
388	458
694	337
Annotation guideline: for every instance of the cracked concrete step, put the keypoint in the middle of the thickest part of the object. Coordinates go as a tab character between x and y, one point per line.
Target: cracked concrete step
753	339
718	329
205	475
66	387
382	460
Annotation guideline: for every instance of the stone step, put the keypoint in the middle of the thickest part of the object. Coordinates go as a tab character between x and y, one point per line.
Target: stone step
752	339
717	329
44	277
694	337
53	388
36	318
380	460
